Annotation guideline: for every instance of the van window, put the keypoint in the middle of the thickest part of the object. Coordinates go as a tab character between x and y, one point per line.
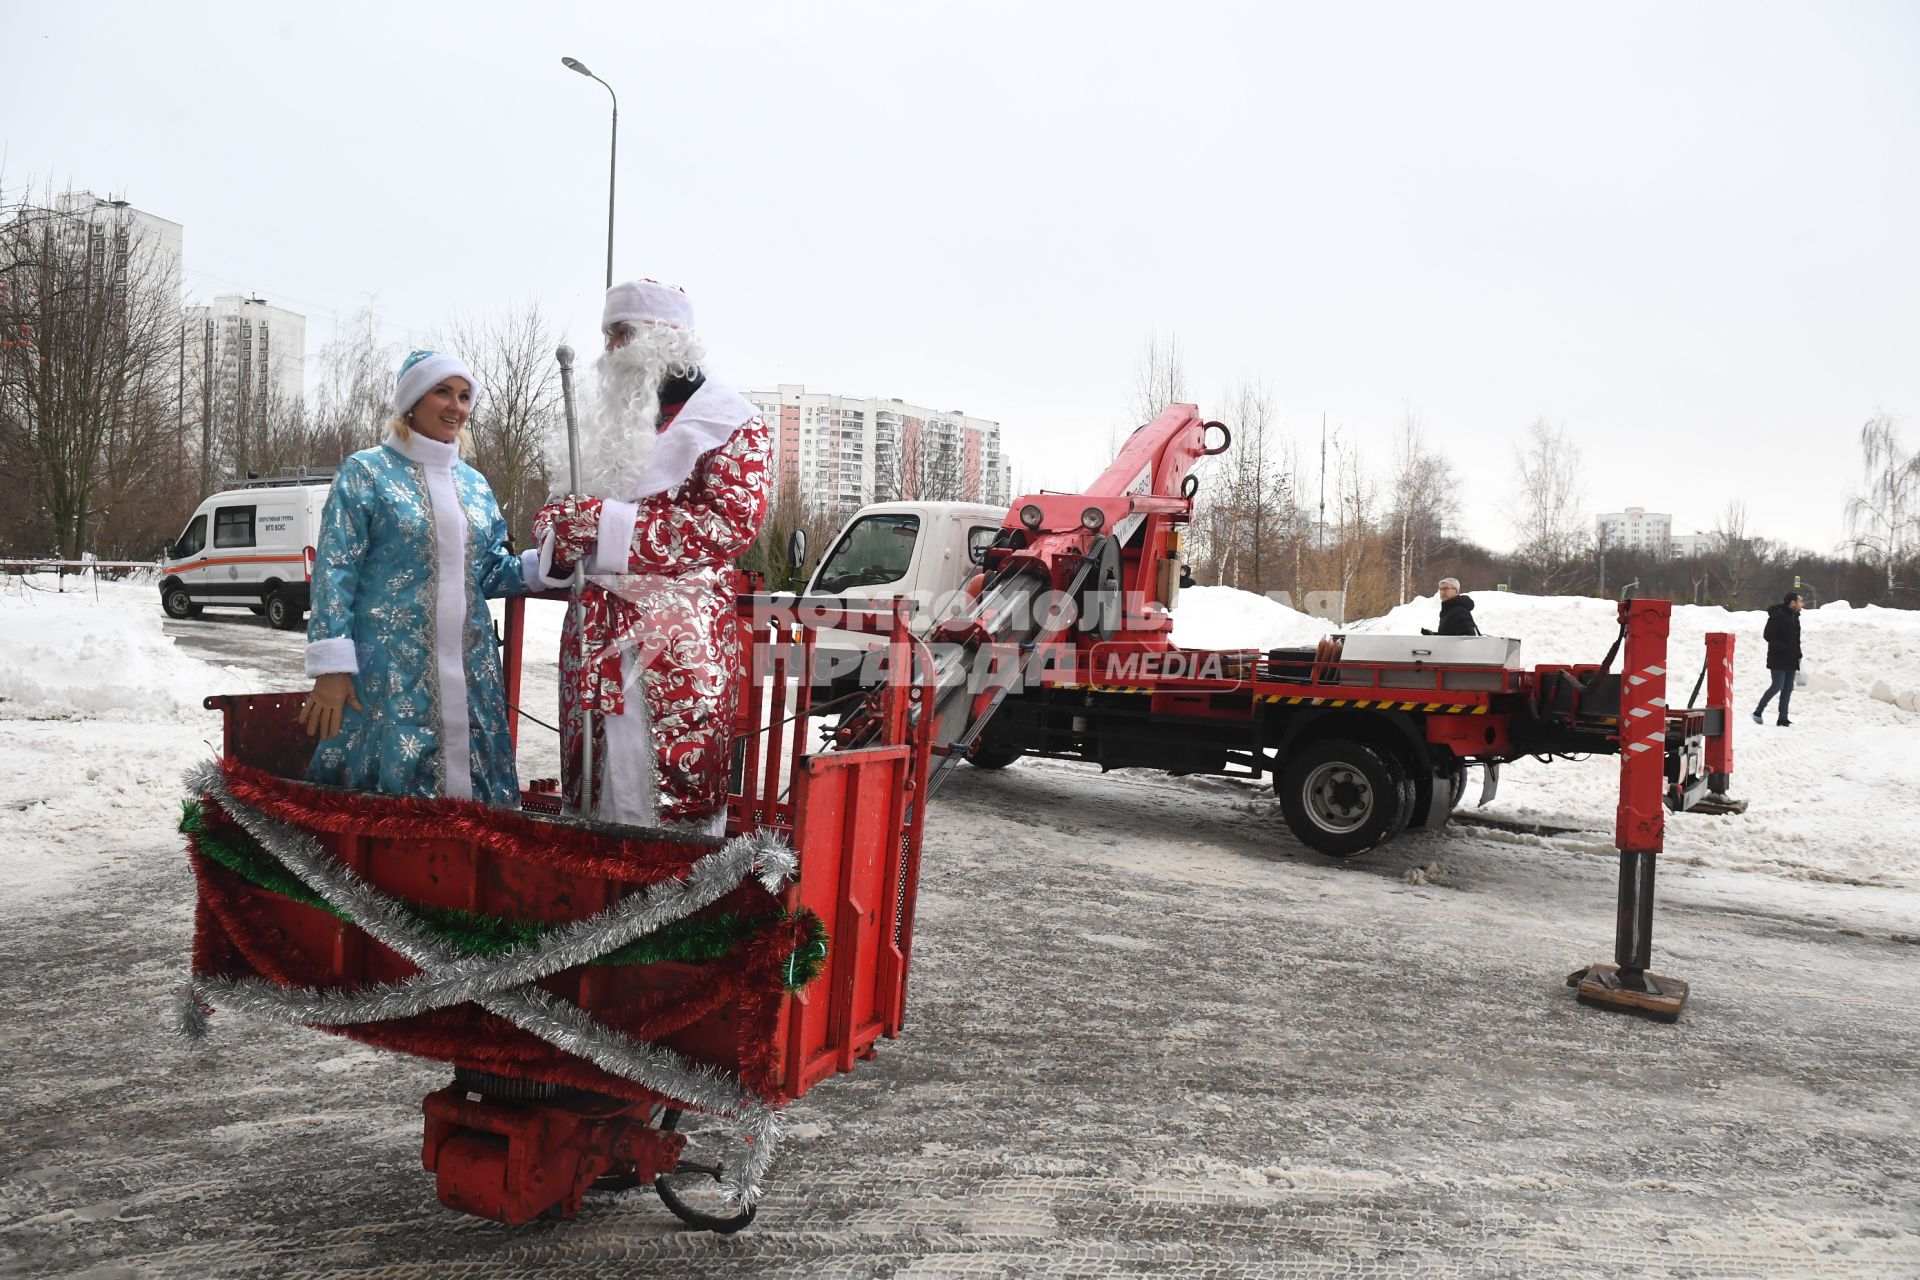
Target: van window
875	550
233	527
979	538
192	539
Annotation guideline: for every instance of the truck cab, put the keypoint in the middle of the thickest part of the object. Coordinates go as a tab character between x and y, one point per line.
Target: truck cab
924	551
250	546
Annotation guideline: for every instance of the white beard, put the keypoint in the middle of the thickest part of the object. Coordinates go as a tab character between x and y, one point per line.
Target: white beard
620	412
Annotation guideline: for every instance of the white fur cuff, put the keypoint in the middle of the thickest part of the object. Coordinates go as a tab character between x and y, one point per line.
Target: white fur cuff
332	656
614	541
530	570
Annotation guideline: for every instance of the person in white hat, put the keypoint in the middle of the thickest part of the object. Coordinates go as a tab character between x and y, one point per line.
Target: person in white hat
676	480
407	697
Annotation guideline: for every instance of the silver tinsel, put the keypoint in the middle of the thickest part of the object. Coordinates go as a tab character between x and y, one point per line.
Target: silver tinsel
502	984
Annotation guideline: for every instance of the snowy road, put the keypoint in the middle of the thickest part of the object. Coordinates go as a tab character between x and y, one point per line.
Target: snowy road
1148	1035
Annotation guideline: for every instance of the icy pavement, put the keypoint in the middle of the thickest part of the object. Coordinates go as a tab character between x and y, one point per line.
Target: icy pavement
1148	1035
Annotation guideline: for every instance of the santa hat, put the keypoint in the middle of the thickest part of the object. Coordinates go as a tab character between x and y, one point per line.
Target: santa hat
422	372
647	302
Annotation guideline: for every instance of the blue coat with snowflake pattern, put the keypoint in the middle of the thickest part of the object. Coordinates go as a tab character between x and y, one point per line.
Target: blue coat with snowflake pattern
411	546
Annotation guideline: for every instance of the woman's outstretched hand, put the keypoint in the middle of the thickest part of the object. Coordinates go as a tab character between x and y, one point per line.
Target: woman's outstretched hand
320	714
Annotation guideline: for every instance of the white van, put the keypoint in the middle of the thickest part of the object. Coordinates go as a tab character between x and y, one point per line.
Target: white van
250	546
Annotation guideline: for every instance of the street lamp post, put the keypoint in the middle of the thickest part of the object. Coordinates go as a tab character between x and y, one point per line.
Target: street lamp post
613	159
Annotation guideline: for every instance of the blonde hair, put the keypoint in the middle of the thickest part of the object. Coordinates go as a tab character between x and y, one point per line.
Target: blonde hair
404	430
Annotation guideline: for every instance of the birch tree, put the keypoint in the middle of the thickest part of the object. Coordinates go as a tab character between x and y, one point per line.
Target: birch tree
1884	518
1547	506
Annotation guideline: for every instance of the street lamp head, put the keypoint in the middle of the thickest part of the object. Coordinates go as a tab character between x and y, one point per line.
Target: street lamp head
574	64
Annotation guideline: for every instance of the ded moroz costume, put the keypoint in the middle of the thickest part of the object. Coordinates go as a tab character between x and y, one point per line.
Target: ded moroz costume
675	489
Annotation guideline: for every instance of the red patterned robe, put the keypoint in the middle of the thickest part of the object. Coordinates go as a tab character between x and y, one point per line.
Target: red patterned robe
662	620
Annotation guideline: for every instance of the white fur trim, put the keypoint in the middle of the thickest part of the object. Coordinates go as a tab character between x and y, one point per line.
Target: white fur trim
434	455
628	790
333	656
645	302
705	422
450	625
530	570
428	374
613	542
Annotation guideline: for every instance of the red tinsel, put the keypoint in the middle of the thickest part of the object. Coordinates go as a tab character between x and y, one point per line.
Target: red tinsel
499	831
241	930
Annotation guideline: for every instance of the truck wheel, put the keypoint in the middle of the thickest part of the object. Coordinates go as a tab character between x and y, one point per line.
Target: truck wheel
1341	797
1409	793
281	614
174	599
996	756
1459	785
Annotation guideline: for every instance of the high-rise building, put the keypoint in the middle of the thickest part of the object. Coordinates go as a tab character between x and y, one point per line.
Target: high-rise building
245	361
842	452
1635	529
258	351
139	245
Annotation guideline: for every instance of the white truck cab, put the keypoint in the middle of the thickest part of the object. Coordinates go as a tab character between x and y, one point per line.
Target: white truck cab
249	546
924	551
920	549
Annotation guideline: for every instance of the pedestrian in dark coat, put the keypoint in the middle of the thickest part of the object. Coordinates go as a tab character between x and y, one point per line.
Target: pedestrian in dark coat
1456	612
1783	655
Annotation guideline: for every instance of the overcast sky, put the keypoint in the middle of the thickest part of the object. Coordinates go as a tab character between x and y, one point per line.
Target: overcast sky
1686	233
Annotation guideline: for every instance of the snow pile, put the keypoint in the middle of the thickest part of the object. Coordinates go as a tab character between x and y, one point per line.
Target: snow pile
1225	618
82	655
1905	699
100	713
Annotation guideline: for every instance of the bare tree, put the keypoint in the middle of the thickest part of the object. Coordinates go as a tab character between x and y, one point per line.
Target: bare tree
1551	533
1885	520
1360	557
518	413
88	385
1735	561
1424	504
353	401
1247	513
1159	378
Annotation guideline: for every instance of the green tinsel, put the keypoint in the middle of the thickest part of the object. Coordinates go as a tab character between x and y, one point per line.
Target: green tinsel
692	941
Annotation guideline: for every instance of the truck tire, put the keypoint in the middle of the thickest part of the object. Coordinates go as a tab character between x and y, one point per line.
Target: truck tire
174	599
994	756
1409	792
1341	797
282	613
1459	785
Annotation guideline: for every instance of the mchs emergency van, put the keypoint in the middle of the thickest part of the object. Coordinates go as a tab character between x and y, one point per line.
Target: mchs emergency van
250	546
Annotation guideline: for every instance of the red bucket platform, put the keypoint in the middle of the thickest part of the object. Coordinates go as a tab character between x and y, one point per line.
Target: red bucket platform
527	1129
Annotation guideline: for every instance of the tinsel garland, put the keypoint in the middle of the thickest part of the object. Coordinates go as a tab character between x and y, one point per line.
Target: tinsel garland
503	984
565	845
692	941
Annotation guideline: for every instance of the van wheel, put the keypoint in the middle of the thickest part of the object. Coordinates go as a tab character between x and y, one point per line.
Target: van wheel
256	609
174	599
281	615
1341	797
996	756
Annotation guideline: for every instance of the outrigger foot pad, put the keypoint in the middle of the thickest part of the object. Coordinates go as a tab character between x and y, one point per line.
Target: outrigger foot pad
1718	802
1647	994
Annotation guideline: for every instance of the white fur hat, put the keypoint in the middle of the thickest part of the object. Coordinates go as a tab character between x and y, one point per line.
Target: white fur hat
422	372
647	302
